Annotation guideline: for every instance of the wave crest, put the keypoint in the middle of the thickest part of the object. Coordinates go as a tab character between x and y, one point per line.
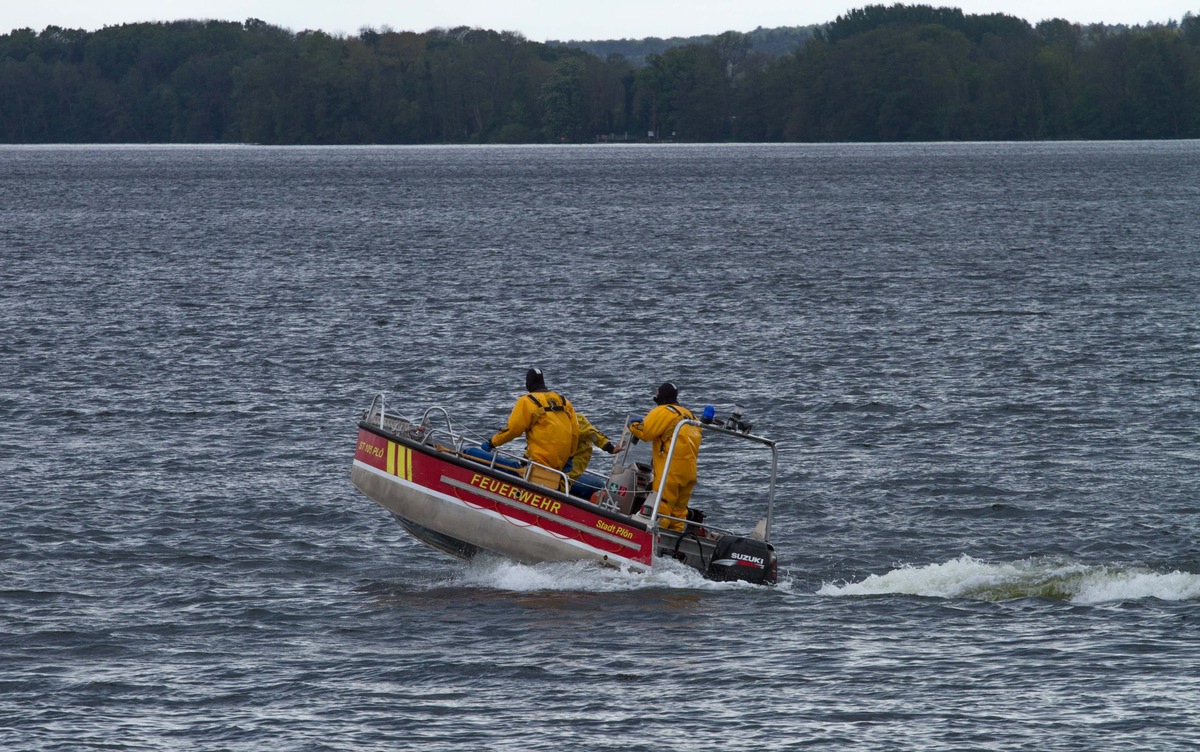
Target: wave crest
969	578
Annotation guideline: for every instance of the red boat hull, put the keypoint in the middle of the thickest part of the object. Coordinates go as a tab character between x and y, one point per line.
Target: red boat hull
490	508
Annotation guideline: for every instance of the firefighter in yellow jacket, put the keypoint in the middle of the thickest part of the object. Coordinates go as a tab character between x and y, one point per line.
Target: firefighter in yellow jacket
680	479
548	422
589	436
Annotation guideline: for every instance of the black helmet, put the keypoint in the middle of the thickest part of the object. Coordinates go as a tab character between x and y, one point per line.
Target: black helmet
666	394
534	380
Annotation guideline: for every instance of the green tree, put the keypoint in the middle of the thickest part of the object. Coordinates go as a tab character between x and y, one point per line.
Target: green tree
1054	67
562	101
1005	103
1160	66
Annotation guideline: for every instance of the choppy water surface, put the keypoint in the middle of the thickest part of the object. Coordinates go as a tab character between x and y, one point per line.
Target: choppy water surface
982	361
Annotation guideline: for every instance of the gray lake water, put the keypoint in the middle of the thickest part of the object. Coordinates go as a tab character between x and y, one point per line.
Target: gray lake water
982	361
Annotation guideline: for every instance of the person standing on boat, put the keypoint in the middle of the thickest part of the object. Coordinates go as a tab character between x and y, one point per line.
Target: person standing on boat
551	429
679	479
589	436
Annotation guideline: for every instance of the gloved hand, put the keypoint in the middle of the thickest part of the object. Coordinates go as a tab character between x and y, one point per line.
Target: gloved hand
487	446
630	422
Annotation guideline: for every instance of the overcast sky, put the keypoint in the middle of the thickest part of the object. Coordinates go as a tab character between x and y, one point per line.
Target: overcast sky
540	20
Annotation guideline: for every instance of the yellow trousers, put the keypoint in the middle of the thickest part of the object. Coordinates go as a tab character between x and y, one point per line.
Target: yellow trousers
674	502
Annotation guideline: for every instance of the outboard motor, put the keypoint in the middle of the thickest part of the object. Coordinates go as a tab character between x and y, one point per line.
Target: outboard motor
747	559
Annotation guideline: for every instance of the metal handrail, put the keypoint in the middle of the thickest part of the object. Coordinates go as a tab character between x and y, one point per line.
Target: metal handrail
442	410
382	407
654	516
527	464
458	441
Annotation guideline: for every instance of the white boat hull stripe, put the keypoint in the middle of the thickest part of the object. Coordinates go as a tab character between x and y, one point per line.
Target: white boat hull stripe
489	512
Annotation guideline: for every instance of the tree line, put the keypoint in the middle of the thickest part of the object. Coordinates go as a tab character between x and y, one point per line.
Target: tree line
879	73
782	40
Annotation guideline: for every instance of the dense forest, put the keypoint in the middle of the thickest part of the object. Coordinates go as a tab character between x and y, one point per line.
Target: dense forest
880	73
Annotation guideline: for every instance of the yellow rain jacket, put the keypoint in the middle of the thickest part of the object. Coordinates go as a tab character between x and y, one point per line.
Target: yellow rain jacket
548	421
589	436
658	426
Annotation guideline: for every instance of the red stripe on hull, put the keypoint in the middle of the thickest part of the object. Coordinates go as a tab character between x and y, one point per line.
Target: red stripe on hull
484	489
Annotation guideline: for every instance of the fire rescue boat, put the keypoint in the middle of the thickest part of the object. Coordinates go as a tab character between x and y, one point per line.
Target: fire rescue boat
459	499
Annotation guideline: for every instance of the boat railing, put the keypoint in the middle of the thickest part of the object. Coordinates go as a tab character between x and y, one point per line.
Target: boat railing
522	465
378	399
447	440
446	415
655	502
377	415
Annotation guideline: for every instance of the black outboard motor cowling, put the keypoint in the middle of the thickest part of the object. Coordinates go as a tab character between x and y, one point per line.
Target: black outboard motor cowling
748	559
